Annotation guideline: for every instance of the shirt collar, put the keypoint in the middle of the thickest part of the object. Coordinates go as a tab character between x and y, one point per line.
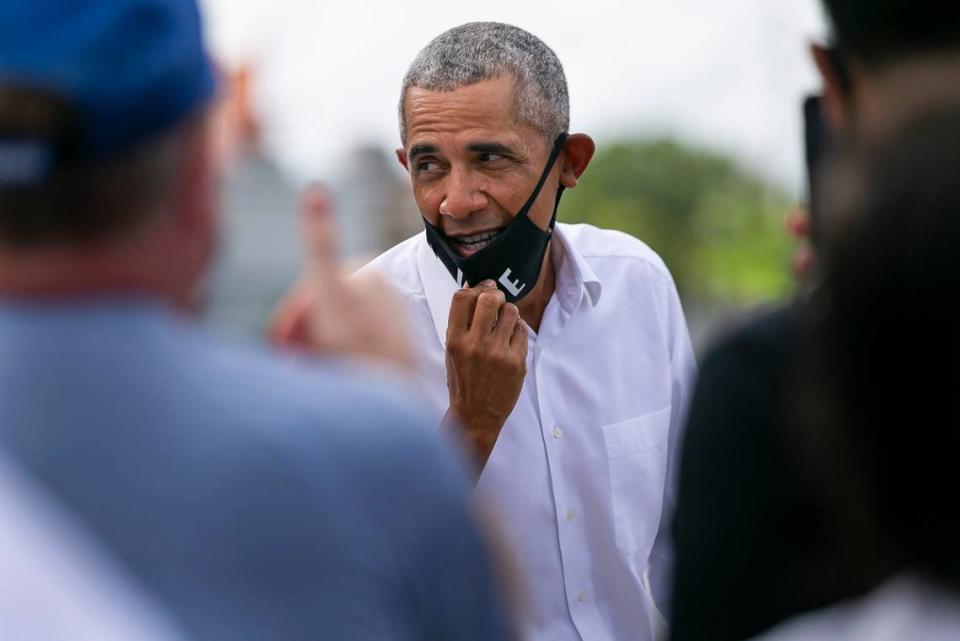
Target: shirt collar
574	278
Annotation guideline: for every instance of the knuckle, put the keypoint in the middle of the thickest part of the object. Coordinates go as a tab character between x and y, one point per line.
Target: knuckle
455	345
462	296
493	297
502	361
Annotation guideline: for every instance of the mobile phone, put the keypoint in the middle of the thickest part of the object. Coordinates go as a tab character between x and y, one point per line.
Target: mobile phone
819	145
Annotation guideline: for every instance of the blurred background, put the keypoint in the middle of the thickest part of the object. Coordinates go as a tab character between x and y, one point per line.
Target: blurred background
695	107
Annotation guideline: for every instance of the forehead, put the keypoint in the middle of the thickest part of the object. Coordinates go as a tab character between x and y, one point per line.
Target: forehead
484	108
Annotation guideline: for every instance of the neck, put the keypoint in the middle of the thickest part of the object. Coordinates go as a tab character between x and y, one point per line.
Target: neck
58	273
535	303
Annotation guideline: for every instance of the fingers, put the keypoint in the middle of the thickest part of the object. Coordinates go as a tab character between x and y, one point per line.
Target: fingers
518	338
319	234
509	317
290	326
463	306
803	262
798	222
489	304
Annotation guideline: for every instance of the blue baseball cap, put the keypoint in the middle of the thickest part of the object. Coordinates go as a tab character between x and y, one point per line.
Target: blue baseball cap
128	69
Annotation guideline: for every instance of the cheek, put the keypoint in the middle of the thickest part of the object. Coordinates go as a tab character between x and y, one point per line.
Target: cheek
428	200
542	211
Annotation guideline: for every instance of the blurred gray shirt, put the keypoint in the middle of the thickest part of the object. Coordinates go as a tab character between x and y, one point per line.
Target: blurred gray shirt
250	497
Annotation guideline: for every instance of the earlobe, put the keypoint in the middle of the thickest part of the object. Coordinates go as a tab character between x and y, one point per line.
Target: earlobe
578	152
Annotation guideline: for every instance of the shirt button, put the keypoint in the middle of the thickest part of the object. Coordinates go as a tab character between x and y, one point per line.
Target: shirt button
571	514
581	596
557	432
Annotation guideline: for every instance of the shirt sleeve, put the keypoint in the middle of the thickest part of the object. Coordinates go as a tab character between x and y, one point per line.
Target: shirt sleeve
683	372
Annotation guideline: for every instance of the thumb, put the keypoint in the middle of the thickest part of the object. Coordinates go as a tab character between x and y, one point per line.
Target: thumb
290	326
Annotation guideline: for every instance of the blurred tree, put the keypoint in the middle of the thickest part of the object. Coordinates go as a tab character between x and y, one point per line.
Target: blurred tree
718	227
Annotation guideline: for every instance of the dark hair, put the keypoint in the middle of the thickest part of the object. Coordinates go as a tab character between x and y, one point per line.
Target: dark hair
81	200
883	357
880	31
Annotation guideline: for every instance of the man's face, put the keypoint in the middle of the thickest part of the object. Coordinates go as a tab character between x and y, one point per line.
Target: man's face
472	163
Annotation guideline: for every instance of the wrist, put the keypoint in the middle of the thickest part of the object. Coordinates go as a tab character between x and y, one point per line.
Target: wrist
479	422
478	433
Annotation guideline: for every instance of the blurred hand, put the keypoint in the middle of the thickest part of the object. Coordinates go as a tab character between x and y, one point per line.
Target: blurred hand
329	312
798	226
486	364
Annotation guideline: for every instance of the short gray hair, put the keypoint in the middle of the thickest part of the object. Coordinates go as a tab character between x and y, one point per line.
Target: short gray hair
479	51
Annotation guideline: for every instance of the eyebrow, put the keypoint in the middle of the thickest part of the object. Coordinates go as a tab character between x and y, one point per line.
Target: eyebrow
419	150
490	148
475	147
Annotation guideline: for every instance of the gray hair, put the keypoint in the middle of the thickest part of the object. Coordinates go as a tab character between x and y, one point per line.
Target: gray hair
479	51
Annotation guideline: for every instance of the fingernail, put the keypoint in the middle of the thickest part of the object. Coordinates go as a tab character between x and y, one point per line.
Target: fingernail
488	284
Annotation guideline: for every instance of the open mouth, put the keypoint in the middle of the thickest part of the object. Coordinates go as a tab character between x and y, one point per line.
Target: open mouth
468	245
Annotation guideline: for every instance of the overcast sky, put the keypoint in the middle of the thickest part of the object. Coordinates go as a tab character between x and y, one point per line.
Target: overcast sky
727	75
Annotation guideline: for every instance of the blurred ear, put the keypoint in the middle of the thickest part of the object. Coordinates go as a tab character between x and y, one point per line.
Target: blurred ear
194	214
577	153
835	95
197	203
402	157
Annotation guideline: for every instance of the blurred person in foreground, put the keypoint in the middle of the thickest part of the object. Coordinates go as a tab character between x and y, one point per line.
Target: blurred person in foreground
56	582
558	353
878	378
248	497
752	538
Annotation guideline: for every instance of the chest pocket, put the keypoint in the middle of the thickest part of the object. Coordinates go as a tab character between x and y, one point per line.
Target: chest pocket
637	455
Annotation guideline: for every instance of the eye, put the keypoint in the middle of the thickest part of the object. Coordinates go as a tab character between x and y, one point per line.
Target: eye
489	157
427	166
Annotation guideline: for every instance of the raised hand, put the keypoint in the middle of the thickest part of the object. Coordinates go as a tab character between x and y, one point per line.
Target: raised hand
486	364
330	313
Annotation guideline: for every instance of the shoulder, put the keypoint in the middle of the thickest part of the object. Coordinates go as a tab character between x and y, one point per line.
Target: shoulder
607	246
769	336
302	404
399	266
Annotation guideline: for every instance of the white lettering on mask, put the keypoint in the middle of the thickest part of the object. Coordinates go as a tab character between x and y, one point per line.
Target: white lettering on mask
512	286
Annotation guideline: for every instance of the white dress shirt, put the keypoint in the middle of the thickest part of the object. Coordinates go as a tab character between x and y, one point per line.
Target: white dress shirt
903	609
56	584
580	479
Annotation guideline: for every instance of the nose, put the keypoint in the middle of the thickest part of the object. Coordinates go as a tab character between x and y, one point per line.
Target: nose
462	196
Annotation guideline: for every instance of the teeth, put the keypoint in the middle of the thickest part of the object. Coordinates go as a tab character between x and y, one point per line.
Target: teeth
478	238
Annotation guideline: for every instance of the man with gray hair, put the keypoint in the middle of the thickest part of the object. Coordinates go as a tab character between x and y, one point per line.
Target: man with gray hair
559	353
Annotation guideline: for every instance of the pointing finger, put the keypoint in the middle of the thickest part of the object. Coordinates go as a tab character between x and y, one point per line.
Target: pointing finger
320	241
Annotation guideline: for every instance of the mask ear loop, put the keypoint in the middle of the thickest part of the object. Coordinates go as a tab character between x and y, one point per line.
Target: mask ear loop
554	154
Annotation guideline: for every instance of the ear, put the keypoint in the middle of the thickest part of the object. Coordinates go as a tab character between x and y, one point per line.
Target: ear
835	97
197	206
578	151
402	157
181	239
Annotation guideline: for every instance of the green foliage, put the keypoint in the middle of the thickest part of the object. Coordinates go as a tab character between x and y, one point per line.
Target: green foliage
718	228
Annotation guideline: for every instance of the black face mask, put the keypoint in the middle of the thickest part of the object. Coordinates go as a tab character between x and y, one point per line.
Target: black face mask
513	259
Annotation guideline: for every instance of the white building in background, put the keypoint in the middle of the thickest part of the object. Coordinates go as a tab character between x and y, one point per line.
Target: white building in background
260	254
